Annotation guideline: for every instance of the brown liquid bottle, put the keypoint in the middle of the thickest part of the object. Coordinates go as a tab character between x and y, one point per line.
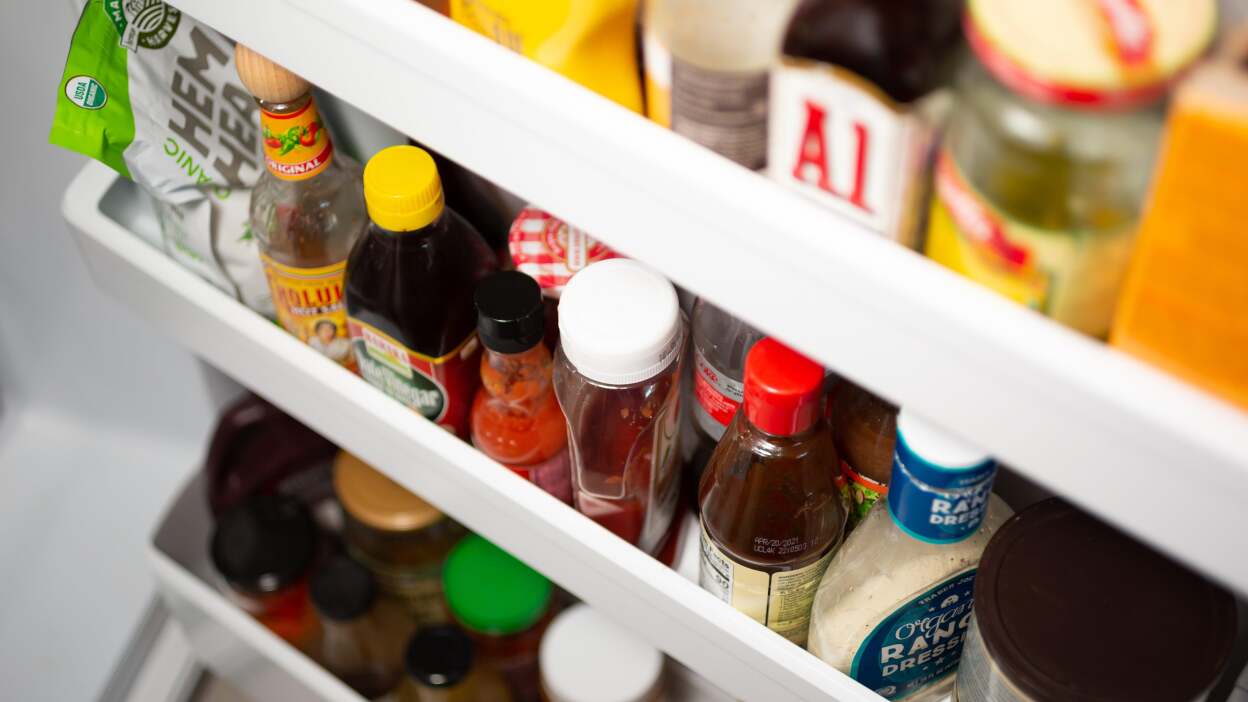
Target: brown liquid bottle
410	281
855	102
864	428
771	516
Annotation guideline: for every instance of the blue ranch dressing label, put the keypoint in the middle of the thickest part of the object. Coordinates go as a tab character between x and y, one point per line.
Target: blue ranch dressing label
936	504
920	642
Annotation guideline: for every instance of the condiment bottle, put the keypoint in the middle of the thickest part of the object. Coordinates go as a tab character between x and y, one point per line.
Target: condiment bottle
892	608
504	606
415	334
617	377
864	428
720	345
855	102
515	418
1069	608
401	538
706	66
585	657
442	666
264	548
771	516
307	208
362	634
1046	161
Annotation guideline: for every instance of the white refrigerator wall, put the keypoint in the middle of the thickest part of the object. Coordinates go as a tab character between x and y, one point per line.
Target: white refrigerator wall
101	418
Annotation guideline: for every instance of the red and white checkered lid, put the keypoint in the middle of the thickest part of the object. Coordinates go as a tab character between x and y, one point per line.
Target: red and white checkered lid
550	250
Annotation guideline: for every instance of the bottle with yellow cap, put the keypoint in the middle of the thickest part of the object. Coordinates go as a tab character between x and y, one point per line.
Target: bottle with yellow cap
410	282
307	209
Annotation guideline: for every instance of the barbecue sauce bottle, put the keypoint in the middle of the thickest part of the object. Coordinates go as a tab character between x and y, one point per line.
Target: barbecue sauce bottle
855	99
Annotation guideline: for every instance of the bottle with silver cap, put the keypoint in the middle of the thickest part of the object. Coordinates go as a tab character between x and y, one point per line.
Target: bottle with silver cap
617	378
893	608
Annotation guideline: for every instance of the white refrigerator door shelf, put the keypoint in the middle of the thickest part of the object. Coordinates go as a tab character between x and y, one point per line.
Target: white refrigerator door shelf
1110	433
638	592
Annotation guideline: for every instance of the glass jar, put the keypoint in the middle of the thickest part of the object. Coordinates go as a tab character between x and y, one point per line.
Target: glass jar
362	633
401	538
263	549
504	605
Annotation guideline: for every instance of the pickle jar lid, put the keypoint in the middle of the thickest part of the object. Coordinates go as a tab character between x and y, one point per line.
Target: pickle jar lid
376	500
489	591
1071	609
264	544
1089	53
402	190
551	250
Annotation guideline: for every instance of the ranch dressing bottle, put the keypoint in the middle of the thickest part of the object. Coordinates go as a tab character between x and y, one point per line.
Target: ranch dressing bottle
893	608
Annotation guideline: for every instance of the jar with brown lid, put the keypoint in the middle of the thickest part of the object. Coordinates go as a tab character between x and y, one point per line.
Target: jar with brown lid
401	538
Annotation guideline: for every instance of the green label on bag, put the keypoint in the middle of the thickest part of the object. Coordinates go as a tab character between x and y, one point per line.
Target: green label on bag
146	23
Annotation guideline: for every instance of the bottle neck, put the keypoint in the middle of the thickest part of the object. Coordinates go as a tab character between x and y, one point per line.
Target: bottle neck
517	378
296	144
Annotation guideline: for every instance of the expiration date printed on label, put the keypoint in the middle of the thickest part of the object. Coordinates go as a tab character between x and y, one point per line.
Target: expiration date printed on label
778	546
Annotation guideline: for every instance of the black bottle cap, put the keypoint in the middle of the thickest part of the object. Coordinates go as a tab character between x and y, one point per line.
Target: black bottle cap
343	590
264	544
509	312
439	656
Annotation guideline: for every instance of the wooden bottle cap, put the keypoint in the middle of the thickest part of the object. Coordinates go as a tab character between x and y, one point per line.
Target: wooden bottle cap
267	80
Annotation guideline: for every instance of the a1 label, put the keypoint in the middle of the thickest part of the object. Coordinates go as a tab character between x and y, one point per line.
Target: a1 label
840	140
920	642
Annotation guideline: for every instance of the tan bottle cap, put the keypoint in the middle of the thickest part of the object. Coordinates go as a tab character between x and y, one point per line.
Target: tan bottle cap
267	80
376	500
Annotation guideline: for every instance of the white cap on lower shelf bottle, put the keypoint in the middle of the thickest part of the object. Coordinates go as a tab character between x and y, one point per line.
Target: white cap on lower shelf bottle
587	658
619	322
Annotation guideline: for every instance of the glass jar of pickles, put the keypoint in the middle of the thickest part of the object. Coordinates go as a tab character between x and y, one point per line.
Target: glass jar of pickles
401	538
1045	165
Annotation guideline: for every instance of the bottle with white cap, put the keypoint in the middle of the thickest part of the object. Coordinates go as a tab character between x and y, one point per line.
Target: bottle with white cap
617	378
894	606
586	657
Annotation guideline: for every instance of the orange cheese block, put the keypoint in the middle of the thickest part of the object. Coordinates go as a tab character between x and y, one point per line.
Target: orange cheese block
1185	304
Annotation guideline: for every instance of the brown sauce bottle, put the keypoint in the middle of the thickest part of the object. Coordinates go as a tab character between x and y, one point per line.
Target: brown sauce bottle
864	428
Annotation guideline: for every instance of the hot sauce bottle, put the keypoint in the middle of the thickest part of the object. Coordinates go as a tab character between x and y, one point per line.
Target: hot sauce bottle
771	515
515	418
854	101
410	281
307	209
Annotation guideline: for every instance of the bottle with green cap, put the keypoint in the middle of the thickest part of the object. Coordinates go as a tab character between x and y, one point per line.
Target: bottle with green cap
410	281
504	606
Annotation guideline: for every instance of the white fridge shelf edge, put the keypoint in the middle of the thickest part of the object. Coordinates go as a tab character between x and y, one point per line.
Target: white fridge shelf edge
1086	421
638	592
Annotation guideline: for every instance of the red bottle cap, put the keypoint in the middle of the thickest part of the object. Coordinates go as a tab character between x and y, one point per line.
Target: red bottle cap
782	389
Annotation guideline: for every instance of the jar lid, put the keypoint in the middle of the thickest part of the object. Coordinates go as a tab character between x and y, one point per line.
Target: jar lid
489	591
510	315
1089	53
1071	609
264	544
619	322
585	656
439	656
783	389
343	589
550	250
376	500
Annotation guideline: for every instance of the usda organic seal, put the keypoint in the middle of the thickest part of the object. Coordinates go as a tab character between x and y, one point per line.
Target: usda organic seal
85	92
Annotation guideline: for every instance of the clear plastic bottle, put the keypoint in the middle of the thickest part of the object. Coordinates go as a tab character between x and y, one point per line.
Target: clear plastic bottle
307	208
617	377
362	635
515	417
771	514
720	345
706	66
893	608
